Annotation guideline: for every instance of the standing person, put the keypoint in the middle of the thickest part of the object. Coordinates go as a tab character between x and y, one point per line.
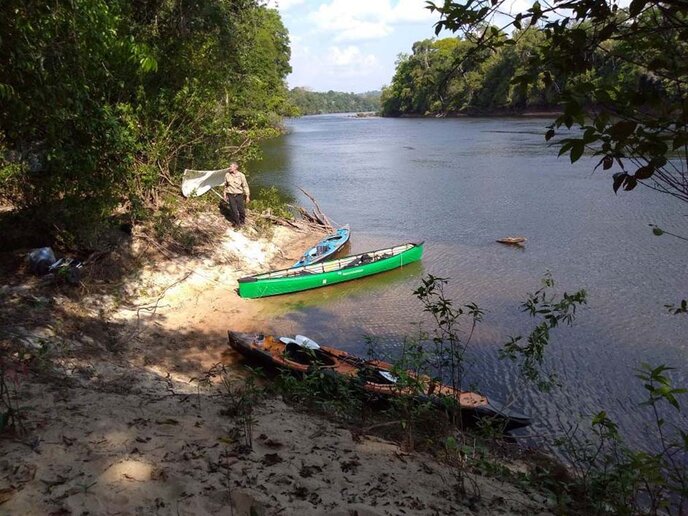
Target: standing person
236	191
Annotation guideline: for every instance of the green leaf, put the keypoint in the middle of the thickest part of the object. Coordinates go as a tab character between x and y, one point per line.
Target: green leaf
658	162
607	162
549	135
589	135
599	418
622	130
618	178
148	64
606	32
636	7
644	172
6	91
630	183
577	150
566	145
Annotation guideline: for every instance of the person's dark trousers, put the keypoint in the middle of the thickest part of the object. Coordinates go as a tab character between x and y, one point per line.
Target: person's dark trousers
236	207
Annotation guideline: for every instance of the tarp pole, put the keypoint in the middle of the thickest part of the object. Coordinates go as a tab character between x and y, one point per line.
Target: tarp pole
215	192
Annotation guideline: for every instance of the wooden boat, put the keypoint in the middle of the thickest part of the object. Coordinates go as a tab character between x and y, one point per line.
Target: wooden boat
513	240
326	247
301	354
329	272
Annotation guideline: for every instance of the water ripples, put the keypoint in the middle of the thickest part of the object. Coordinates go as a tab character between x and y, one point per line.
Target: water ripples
459	185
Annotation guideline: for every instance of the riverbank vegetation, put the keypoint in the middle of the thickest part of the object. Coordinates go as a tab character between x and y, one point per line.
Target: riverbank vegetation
602	473
104	104
428	82
619	75
309	102
618	78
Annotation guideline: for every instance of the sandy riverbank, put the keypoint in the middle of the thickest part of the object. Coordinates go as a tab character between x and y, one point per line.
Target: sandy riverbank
116	421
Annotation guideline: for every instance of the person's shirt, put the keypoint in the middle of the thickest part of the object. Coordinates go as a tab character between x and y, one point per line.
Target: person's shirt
236	184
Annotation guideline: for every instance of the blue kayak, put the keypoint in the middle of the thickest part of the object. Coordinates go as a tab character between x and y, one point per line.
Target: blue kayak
326	247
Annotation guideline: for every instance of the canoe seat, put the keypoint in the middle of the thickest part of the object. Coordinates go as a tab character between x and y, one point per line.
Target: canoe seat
376	376
362	260
304	356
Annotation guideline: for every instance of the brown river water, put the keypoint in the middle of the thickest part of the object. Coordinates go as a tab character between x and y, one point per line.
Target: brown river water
459	184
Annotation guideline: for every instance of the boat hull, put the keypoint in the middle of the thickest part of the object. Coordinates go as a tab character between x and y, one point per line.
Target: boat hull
270	351
327	247
332	274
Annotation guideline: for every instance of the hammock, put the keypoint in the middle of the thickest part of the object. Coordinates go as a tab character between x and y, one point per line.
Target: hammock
198	182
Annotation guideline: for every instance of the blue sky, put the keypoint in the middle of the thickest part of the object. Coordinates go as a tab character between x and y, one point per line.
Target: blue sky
351	45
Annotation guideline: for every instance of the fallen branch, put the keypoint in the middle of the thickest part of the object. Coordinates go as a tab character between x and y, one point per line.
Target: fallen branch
318	217
283	221
151	309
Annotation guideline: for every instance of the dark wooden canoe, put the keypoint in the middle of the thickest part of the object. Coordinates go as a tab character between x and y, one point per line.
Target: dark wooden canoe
375	376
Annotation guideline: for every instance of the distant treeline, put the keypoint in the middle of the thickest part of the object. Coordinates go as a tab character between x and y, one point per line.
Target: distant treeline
452	76
104	103
316	102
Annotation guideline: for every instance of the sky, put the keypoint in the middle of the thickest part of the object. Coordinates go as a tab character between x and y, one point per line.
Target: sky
351	45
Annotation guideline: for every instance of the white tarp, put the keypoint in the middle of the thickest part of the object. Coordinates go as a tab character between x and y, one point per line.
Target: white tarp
198	182
302	341
305	342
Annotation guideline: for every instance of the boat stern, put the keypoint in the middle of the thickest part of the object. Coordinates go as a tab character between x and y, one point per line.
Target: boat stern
242	342
504	416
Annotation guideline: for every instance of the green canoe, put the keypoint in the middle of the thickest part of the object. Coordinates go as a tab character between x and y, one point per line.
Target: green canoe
330	272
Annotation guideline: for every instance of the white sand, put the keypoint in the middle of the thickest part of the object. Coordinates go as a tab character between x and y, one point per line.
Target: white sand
125	429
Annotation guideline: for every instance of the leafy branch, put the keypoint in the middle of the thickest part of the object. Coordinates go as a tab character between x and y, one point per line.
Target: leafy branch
553	312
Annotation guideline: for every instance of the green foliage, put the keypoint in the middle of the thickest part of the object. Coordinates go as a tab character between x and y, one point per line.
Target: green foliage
409	403
241	399
12	372
542	304
613	478
269	203
271	200
682	308
104	103
620	76
450	345
306	102
323	390
454	76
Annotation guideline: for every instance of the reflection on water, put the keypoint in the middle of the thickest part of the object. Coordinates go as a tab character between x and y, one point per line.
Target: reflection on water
378	286
459	185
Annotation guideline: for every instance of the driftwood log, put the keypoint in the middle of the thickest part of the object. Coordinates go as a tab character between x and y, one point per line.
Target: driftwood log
315	218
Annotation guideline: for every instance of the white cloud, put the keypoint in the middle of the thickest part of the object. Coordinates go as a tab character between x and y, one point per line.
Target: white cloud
363	31
284	5
339	68
518	6
350	55
412	11
356	20
351	45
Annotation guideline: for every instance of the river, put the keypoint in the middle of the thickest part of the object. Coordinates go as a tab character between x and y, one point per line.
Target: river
459	184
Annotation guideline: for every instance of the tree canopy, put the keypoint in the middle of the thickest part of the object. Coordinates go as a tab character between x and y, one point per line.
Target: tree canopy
453	75
619	75
105	102
309	102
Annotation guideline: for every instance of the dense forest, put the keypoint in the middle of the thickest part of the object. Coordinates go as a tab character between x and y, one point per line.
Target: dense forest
455	75
315	102
104	103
